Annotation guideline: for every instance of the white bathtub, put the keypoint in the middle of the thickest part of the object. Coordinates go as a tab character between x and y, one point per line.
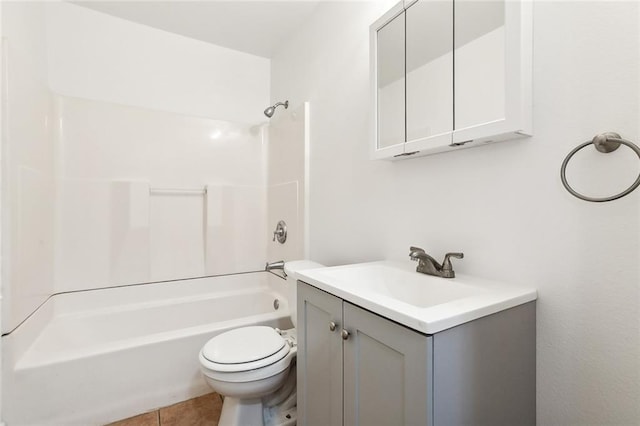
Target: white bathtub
89	358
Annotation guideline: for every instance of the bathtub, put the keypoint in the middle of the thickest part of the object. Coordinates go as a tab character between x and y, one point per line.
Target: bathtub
93	357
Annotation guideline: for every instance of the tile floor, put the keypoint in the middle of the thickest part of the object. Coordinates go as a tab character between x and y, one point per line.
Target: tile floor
201	411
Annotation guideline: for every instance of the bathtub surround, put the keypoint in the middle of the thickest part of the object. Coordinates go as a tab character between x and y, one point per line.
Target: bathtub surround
287	179
97	182
27	164
503	205
99	108
150	195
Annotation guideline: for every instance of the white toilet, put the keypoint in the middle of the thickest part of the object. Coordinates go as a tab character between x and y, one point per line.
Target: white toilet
250	367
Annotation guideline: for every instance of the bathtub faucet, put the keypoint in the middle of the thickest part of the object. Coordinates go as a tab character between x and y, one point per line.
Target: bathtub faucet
270	266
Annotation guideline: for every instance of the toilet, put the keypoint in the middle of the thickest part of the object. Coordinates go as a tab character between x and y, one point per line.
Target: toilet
252	367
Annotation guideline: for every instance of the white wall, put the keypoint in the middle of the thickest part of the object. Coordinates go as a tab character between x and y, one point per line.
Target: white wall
97	56
502	205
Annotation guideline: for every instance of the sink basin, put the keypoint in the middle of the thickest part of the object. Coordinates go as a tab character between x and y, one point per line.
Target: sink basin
398	284
422	302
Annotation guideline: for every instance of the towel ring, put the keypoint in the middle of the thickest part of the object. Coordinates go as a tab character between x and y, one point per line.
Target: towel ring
604	142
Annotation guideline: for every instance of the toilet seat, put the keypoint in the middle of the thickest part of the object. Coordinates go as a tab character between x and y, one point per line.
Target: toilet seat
212	371
246	354
246	348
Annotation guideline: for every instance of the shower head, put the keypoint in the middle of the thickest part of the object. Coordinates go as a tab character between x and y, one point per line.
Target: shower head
269	111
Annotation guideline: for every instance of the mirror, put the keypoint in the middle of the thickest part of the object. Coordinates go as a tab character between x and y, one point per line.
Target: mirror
479	62
391	83
429	59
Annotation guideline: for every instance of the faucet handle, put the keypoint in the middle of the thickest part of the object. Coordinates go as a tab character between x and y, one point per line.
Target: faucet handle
446	264
416	249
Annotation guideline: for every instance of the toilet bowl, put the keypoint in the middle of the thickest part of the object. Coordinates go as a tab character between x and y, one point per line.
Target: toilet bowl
250	365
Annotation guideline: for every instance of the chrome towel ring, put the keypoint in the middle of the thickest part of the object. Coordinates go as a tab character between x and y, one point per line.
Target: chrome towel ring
604	142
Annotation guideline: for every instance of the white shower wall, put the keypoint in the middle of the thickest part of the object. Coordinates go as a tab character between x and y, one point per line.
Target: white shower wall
27	163
149	195
287	154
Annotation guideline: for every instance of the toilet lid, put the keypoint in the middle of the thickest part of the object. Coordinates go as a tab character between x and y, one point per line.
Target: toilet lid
243	345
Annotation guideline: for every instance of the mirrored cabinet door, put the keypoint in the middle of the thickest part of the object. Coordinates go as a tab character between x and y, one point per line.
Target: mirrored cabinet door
449	74
429	62
391	83
479	63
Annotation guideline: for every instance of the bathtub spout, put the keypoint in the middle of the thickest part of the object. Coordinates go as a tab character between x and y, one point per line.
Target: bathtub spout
270	266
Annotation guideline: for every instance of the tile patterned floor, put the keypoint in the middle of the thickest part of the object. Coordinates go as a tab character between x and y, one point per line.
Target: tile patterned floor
201	411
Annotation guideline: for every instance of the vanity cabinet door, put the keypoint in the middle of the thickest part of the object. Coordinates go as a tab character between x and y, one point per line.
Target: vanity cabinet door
387	372
319	357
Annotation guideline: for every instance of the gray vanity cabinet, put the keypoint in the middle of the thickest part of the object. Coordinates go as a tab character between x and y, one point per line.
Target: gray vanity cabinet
358	368
377	374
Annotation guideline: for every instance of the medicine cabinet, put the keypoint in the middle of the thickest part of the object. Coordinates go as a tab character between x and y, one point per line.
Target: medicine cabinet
450	74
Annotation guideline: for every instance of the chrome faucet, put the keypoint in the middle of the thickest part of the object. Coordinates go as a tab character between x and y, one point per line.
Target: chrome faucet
428	265
270	266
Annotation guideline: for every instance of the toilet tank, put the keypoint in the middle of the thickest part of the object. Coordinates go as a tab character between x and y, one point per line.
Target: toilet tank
291	269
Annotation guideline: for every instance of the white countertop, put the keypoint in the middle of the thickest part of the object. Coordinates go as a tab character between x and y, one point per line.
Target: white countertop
428	304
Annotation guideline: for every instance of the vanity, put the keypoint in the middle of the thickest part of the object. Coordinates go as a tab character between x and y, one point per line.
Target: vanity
380	344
